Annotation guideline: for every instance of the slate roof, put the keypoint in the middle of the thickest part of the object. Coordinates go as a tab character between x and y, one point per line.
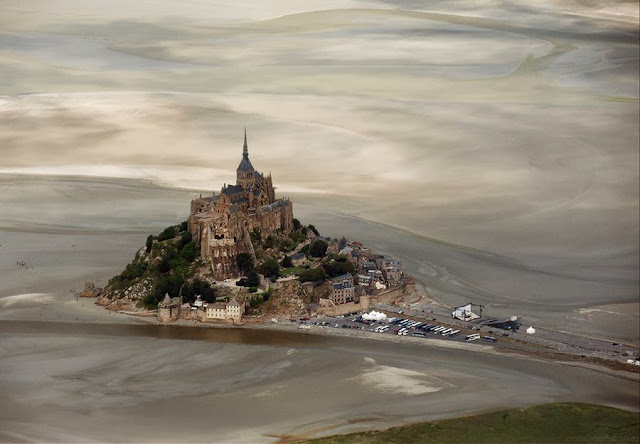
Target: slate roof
232	189
276	204
245	164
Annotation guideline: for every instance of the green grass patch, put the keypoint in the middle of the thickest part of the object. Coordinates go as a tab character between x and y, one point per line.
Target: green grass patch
292	271
548	423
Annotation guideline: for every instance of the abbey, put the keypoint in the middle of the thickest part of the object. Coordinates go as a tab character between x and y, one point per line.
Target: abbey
222	224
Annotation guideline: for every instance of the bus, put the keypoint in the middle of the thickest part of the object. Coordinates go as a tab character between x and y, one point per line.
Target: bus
472	337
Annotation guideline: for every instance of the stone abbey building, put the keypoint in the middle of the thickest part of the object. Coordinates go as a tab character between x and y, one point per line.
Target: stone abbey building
222	223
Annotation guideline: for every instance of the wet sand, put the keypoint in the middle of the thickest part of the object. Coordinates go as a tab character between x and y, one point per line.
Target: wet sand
83	382
75	372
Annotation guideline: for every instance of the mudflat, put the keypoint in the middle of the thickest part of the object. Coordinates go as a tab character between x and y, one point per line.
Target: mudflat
490	146
79	382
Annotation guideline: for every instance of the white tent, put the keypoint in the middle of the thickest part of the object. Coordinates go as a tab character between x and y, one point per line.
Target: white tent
374	316
464	313
531	330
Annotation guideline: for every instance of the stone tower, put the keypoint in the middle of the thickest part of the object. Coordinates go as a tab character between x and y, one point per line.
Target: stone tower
245	171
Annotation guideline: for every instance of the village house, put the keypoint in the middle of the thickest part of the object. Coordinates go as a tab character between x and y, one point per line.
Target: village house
229	311
342	289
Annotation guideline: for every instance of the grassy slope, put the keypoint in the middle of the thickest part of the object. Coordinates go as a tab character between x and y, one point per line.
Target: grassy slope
548	423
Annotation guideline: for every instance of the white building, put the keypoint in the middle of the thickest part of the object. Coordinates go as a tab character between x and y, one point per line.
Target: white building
230	311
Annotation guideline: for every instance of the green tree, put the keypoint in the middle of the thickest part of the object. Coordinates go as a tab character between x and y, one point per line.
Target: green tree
149	243
133	270
270	268
185	237
189	252
297	236
286	262
315	231
253	280
269	242
245	262
168	233
318	248
313	275
296	224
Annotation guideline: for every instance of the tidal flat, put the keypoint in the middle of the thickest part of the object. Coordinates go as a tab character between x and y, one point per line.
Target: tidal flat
75	372
491	146
95	382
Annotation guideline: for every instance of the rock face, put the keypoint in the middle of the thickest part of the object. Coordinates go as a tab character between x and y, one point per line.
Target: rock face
91	291
128	297
287	300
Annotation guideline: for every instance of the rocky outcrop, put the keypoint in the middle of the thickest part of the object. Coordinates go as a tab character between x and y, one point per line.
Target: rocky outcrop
91	291
288	300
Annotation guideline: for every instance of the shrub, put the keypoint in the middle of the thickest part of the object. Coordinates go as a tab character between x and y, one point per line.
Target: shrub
270	268
189	252
297	236
318	248
133	270
253	279
313	275
245	262
168	233
185	237
149	243
286	262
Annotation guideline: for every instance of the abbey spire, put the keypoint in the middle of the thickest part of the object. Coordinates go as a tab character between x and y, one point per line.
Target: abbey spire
245	164
245	149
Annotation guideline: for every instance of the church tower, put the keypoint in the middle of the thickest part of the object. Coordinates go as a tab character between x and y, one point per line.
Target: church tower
245	171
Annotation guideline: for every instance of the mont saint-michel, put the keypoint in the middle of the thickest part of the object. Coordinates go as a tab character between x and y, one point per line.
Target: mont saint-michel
241	251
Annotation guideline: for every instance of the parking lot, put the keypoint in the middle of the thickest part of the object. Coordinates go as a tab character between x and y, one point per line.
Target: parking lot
401	326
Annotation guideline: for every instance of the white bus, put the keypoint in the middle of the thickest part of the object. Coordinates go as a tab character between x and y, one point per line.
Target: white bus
472	337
